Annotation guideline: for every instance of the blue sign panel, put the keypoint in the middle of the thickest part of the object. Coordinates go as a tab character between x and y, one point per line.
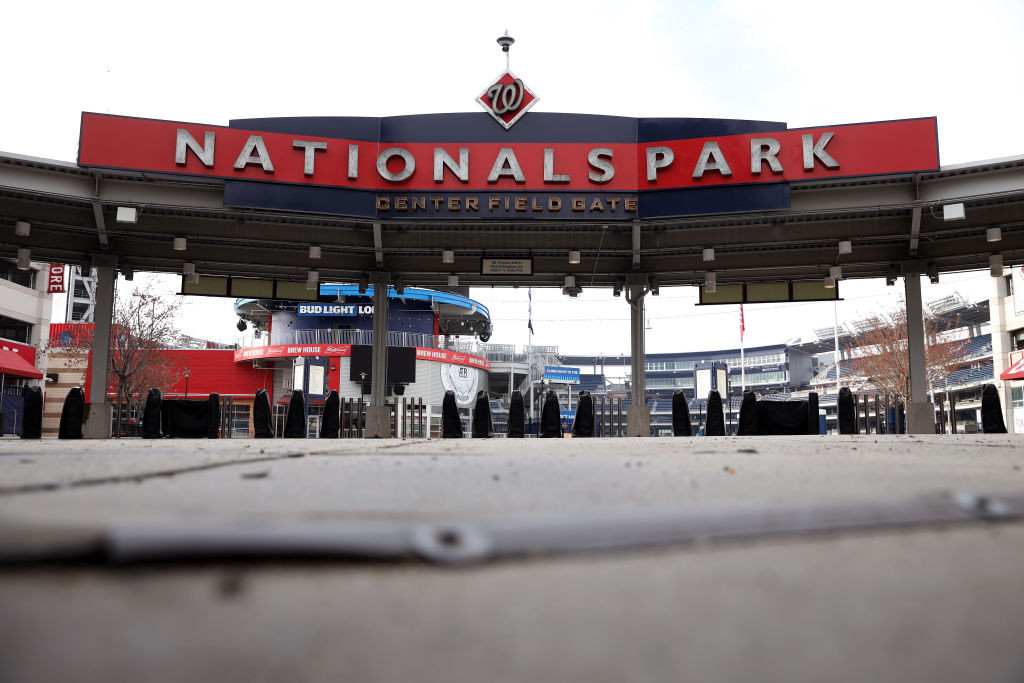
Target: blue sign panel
561	375
339	310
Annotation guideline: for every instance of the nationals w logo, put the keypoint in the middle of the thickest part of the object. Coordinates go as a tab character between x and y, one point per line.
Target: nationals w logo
507	99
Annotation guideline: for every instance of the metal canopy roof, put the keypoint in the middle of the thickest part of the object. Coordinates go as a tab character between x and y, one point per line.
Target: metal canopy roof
72	212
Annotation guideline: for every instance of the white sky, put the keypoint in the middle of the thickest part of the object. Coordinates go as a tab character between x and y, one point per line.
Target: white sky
805	63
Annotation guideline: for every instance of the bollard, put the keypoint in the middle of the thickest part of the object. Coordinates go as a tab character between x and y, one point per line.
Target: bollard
262	428
846	412
329	419
991	411
878	417
550	417
618	429
583	423
32	419
295	418
748	414
516	416
813	423
483	427
71	415
681	423
451	423
714	424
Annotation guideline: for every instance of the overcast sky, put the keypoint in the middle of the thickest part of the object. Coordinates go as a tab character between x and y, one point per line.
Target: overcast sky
805	63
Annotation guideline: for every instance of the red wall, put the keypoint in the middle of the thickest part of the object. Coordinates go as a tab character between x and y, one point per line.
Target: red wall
212	371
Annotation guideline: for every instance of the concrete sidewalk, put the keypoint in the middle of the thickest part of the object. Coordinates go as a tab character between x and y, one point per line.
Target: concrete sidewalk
930	603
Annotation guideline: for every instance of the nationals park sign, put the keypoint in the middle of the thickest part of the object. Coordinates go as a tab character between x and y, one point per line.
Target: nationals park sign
549	166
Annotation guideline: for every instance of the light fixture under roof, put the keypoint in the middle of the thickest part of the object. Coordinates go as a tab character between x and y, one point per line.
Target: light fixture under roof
22	228
180	244
193	279
709	254
188	268
453	280
830	282
574	257
448	256
954	212
993	235
315	252
835	272
127	214
312	278
24	259
845	247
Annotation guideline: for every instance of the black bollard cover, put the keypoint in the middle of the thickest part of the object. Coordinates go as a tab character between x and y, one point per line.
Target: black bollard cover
451	423
152	422
715	424
813	426
847	416
516	416
483	426
681	425
295	418
32	421
71	415
991	411
213	417
262	427
330	420
748	415
583	424
550	418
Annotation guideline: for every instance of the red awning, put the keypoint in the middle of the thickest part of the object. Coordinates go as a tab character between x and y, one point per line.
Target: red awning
1015	371
12	363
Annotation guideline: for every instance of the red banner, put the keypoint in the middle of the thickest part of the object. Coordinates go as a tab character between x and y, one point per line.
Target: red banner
55	284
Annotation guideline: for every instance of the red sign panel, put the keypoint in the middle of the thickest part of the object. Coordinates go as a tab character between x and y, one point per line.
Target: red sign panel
888	147
55	284
343	350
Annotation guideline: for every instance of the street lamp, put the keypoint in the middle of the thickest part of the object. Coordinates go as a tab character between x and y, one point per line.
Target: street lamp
187	373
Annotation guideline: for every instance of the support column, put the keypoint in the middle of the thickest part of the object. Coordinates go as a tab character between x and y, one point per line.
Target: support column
98	411
920	411
638	416
378	415
1000	302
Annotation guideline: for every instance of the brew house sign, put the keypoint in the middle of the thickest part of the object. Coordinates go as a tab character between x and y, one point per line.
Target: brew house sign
541	166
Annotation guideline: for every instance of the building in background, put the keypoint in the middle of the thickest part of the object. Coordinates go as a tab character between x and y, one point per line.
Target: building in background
1007	304
25	308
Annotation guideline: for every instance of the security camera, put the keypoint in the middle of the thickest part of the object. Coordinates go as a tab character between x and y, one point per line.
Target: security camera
241	325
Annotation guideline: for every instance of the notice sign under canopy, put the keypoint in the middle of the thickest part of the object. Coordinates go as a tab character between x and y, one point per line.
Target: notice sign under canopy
561	375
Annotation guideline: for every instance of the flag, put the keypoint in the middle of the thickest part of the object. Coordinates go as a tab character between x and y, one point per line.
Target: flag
743	326
529	312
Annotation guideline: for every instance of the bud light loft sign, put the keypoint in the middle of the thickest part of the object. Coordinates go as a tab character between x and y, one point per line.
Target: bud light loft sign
548	166
561	375
335	309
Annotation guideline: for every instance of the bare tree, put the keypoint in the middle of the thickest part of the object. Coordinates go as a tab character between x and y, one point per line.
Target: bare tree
880	353
143	330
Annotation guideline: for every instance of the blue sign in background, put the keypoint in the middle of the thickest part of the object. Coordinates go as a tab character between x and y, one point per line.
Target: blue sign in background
558	374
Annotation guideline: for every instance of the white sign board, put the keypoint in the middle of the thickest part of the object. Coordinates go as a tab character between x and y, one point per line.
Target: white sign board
462	380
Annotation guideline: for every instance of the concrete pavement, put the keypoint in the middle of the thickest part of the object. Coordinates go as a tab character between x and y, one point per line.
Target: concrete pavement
926	603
